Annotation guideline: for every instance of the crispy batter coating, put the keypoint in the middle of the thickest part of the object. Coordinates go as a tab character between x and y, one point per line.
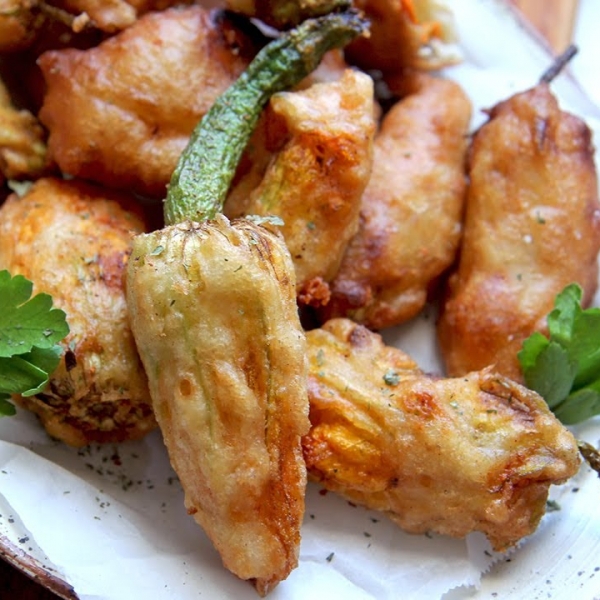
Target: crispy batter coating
476	453
36	25
283	14
270	135
411	210
331	68
532	227
23	22
228	384
107	15
315	180
73	241
18	26
121	113
22	141
405	33
114	15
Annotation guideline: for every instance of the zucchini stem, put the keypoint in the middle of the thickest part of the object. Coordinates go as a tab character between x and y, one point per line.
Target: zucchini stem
201	180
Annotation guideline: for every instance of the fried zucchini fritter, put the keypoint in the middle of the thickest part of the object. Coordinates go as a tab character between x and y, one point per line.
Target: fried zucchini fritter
22	141
107	15
532	227
73	241
23	22
283	14
452	456
18	26
121	113
228	383
114	15
315	180
411	210
405	33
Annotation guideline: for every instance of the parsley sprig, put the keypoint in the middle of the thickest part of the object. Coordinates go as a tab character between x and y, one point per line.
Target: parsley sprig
30	330
565	368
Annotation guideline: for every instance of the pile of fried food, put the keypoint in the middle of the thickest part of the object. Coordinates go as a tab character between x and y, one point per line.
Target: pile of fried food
387	200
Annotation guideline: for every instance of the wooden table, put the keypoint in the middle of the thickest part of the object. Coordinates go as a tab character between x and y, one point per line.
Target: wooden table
554	19
15	585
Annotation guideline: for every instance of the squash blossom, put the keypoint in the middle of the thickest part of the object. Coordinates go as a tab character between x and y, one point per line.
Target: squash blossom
214	316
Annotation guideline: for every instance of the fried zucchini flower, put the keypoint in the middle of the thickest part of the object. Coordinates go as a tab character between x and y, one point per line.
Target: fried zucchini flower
417	186
73	241
532	227
452	456
22	141
315	180
215	320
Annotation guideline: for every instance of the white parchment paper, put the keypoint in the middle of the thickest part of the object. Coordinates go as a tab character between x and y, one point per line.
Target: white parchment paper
110	520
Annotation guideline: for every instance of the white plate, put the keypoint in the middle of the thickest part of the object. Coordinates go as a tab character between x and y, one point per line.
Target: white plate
110	520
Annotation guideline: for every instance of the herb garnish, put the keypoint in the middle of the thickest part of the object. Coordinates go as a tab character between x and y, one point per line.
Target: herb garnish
391	377
565	368
30	330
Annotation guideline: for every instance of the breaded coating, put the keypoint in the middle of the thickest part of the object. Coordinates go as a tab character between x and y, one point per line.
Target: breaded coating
452	456
315	180
532	227
22	141
228	383
411	210
405	33
73	241
121	113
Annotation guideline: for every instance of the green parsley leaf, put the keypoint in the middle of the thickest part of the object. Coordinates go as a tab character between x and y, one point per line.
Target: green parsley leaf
7	409
580	405
565	368
27	374
552	374
26	322
30	330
